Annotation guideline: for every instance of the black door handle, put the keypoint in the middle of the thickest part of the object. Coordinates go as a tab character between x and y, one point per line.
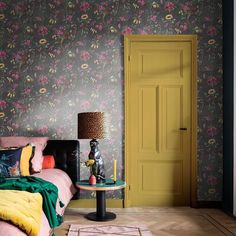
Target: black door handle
182	128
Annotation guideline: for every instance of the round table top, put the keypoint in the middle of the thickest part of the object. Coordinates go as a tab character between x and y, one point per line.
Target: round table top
108	185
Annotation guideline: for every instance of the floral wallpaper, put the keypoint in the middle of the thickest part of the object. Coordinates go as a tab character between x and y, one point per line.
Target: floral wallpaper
59	58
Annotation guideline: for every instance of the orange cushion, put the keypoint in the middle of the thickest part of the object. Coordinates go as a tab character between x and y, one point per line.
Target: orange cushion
48	162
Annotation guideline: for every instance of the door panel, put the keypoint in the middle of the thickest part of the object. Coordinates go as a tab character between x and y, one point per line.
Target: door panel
159	95
147	121
172	116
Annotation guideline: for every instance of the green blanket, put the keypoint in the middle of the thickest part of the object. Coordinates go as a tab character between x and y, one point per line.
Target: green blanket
34	184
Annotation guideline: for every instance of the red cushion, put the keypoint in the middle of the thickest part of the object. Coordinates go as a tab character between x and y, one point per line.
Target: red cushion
48	162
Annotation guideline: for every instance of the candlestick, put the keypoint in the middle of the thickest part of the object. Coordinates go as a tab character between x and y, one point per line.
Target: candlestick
114	169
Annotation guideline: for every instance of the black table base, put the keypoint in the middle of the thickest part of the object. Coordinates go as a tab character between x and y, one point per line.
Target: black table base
108	216
101	214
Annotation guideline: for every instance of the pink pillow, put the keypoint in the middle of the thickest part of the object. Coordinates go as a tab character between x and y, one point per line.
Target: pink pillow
39	143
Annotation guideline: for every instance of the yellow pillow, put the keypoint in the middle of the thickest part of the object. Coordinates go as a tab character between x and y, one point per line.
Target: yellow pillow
26	154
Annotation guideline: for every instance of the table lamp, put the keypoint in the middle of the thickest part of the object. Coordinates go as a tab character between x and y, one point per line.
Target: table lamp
94	125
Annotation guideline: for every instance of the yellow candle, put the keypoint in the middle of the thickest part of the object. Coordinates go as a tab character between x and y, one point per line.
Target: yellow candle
114	169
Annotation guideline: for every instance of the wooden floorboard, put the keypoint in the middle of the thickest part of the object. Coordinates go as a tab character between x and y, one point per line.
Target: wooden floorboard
161	221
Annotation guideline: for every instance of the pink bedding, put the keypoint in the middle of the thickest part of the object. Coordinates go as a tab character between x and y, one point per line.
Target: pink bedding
65	192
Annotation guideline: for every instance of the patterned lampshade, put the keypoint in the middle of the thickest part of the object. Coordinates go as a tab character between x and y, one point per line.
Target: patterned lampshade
93	125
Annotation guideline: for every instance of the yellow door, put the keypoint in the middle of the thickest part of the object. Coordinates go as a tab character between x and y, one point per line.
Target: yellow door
158	120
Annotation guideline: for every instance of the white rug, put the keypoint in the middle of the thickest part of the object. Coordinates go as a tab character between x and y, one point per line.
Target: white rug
98	230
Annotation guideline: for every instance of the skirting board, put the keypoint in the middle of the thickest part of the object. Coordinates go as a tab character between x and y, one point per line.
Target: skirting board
91	203
119	203
208	204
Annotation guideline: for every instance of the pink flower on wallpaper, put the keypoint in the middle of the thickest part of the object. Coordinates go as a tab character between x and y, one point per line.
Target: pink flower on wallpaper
211	30
3	5
127	30
212	131
61	31
103	105
103	56
27	42
84	6
15	125
20	106
122	18
84	55
153	18
182	26
212	180
15	27
15	75
69	18
188	7
42	30
3	54
19	56
20	7
99	27
141	2
43	79
3	104
169	6
111	93
103	6
56	51
26	91
212	80
43	129
57	2
69	66
111	42
85	105
61	80
80	43
145	30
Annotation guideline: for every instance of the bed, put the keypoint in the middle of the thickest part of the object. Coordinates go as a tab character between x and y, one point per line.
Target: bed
64	176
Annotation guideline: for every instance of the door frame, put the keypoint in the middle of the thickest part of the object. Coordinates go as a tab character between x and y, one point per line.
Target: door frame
128	39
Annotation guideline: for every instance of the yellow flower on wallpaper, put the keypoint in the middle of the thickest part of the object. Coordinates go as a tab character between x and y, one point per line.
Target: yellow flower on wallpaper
84	66
52	70
136	21
2	65
169	17
43	90
155	5
29	78
11	94
211	41
29	128
2	114
29	29
42	41
211	190
11	45
211	91
52	21
84	17
113	29
211	141
94	45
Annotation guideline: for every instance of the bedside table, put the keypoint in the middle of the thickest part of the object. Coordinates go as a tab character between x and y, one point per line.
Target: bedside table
101	214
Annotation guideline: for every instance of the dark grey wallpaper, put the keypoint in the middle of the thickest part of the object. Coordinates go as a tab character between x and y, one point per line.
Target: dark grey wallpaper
59	58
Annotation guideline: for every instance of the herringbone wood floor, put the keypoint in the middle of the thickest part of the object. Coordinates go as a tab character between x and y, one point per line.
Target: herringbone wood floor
162	221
